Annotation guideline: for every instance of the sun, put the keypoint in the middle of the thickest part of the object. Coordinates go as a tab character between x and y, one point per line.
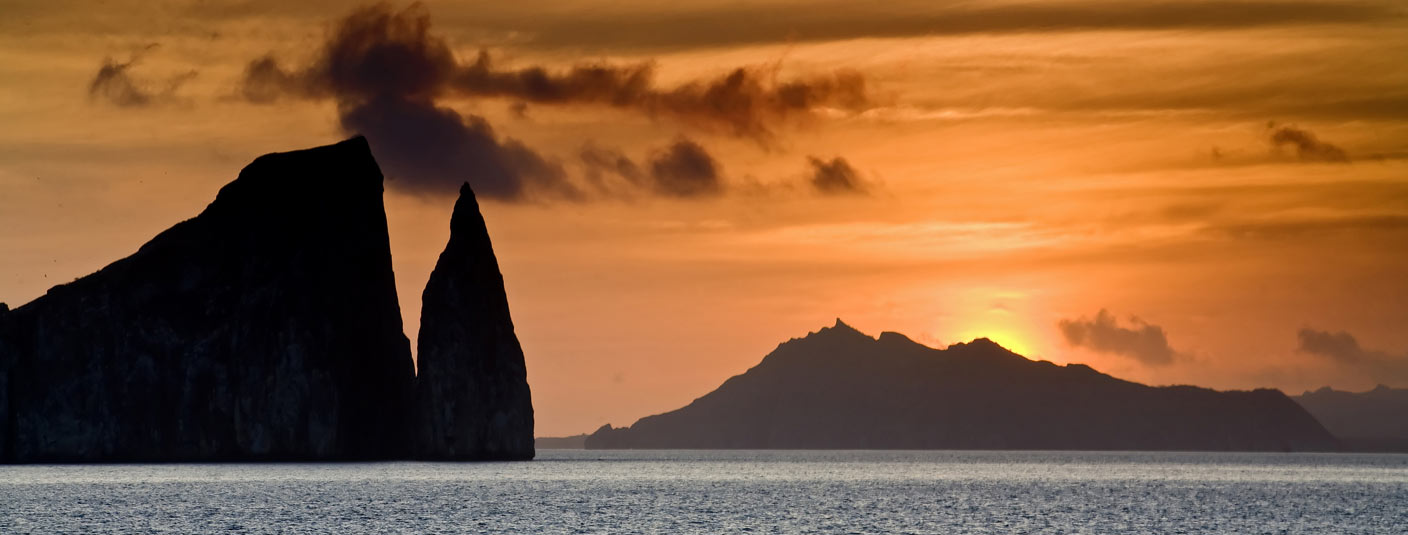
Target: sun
1015	341
1014	332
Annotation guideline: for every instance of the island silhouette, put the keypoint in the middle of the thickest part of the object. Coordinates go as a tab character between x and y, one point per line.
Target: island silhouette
1376	420
267	328
841	389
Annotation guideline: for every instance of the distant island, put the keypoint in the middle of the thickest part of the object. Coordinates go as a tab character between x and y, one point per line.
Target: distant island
841	389
1376	420
574	442
267	328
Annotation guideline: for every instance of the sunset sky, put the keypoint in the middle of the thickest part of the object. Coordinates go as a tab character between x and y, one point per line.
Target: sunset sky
1209	193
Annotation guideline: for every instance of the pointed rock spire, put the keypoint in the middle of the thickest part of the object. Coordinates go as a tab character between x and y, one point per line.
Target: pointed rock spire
472	389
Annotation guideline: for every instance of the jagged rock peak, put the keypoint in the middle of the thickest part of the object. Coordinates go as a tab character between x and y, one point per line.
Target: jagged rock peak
841	328
472	392
466	218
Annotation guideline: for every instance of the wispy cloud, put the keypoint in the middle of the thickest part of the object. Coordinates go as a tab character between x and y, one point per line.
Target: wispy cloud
114	83
715	24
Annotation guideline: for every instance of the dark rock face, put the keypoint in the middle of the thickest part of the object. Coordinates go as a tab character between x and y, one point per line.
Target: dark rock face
841	389
1376	420
472	389
266	328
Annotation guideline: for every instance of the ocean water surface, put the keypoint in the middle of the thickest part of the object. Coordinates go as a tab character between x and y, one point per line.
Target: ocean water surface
689	492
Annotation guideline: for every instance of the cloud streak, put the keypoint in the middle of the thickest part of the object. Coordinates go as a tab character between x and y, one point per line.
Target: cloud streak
1294	228
686	169
744	102
377	50
1140	341
1308	147
771	22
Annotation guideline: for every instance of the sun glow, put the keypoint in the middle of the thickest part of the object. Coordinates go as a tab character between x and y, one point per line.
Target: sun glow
1014	340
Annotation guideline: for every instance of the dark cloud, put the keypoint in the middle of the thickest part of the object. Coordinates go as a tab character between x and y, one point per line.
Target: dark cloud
1307	146
389	73
835	177
1343	349
685	169
430	149
377	51
386	71
1140	341
114	83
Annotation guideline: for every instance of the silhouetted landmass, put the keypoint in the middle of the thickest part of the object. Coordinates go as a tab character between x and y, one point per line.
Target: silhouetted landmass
265	328
574	442
472	391
1376	420
841	389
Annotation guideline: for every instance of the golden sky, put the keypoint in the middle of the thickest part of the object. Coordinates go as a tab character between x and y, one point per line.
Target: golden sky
1210	193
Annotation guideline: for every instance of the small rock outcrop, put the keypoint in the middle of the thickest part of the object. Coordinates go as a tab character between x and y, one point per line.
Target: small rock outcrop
841	389
471	389
265	328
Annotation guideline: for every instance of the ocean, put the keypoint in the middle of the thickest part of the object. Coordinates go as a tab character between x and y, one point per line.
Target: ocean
689	492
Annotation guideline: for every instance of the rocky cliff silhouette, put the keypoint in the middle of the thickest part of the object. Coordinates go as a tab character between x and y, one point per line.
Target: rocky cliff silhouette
265	328
472	392
841	389
1376	420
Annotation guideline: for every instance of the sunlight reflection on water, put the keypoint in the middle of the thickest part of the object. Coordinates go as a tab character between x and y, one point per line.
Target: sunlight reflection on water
728	491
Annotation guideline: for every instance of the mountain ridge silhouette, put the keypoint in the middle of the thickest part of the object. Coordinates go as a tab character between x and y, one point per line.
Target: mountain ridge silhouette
838	388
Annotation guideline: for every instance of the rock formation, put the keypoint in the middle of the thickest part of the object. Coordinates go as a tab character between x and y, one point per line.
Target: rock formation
841	389
265	328
1376	420
472	389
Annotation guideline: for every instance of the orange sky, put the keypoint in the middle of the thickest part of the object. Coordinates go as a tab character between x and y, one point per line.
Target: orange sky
1232	176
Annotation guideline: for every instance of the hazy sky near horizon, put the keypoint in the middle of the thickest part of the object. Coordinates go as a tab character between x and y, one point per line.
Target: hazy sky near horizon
1181	192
